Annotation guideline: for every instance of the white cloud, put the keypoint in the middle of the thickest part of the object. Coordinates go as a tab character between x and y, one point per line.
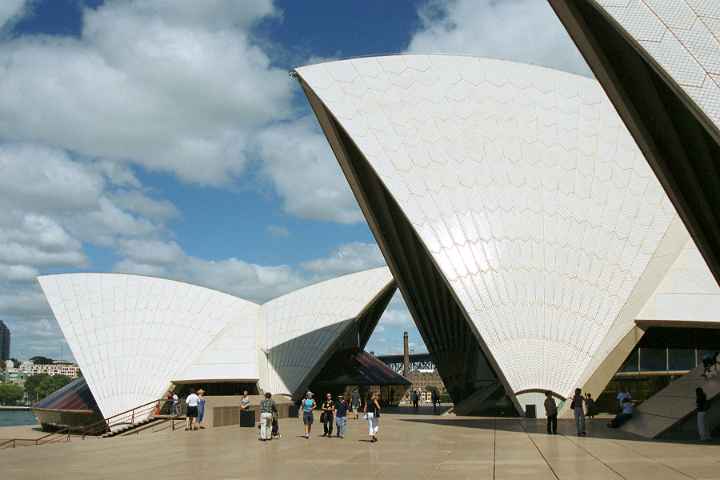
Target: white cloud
36	240
153	252
351	257
517	30
301	166
139	203
247	280
25	302
10	10
18	273
167	85
39	178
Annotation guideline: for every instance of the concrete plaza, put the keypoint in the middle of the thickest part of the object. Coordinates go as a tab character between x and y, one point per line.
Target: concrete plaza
410	447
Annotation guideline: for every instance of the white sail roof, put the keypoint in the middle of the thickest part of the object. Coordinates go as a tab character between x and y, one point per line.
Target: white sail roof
525	188
683	37
133	335
302	325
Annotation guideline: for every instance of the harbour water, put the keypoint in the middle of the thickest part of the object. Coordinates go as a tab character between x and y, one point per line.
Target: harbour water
10	418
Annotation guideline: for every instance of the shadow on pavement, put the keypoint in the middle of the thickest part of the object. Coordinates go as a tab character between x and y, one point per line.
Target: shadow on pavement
596	428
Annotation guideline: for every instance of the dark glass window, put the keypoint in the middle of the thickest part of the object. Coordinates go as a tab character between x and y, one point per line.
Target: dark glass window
702	353
681	358
653	359
631	364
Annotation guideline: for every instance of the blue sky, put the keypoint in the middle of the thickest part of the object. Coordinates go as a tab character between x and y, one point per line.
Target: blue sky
166	138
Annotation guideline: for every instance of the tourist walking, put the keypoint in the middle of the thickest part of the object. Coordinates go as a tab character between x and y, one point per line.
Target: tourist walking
355	402
327	416
308	405
702	405
551	413
341	409
415	399
372	413
267	409
435	399
201	408
191	401
577	408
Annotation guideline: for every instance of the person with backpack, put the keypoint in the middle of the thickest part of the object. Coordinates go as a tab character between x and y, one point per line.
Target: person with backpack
267	409
308	405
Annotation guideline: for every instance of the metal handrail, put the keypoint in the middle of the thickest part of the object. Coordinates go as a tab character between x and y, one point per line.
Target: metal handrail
101	426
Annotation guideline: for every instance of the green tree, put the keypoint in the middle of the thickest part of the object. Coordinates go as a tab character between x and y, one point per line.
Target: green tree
40	360
40	386
10	393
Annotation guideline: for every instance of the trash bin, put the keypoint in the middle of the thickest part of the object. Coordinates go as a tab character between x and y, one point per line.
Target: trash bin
247	418
530	411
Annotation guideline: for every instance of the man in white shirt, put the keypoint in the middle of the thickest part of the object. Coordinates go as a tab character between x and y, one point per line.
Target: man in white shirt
192	402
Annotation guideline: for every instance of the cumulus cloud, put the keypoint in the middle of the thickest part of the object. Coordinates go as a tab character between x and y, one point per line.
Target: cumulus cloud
53	183
138	202
52	206
351	257
517	30
247	280
298	161
167	85
9	11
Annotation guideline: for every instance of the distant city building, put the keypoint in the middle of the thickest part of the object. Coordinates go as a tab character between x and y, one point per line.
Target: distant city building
4	341
56	368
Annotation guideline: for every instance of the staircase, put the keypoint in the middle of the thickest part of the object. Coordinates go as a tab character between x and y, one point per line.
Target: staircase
671	411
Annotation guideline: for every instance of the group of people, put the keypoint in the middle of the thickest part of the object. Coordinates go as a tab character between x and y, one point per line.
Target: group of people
195	408
337	411
434	397
581	405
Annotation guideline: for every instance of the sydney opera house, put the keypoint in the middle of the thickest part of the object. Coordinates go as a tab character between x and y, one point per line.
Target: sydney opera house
530	238
134	336
546	230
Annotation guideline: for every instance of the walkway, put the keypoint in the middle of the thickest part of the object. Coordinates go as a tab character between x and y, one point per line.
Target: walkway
410	447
